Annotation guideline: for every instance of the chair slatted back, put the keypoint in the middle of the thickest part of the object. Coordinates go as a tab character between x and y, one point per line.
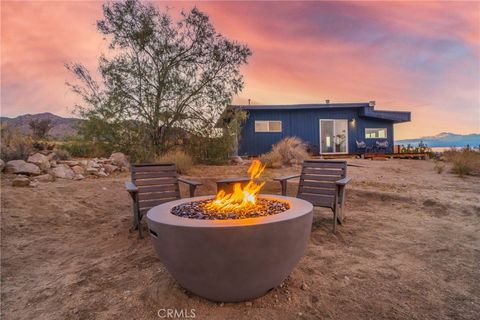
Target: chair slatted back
317	181
156	183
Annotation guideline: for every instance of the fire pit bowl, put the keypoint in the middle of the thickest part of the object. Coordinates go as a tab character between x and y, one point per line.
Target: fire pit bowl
231	260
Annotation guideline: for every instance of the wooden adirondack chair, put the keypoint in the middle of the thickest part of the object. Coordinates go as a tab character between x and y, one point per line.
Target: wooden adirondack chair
154	184
322	183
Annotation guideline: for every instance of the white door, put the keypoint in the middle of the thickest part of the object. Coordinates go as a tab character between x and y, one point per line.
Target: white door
333	136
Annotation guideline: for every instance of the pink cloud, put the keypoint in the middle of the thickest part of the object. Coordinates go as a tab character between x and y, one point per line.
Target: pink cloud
421	57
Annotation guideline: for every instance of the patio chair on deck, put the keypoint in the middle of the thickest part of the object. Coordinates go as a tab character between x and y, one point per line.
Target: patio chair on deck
154	184
361	145
382	145
322	183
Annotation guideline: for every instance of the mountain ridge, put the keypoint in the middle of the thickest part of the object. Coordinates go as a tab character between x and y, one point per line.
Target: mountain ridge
65	127
61	127
445	140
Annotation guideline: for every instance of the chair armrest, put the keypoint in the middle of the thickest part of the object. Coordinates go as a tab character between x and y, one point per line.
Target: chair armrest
192	186
285	178
131	187
343	182
190	182
283	182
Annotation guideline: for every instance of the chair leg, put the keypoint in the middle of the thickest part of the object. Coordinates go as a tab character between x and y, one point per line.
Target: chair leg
283	183
140	231
335	219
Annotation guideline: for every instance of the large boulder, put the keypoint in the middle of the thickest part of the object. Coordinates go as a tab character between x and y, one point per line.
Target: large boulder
63	171
2	165
40	160
20	166
21	181
119	159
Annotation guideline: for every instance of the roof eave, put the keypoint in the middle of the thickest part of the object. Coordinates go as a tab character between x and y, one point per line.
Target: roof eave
394	116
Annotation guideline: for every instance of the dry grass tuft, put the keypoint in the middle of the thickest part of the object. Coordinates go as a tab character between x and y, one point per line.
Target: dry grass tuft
14	145
464	162
439	166
287	152
182	160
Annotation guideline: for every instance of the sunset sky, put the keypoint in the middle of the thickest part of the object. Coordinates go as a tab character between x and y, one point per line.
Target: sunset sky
419	57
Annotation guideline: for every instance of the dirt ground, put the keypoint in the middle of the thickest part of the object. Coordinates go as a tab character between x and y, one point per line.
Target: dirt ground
409	249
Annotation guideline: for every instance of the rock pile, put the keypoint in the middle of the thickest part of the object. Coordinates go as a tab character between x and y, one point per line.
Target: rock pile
45	166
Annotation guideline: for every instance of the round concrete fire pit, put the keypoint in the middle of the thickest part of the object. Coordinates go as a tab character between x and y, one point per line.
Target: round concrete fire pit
231	260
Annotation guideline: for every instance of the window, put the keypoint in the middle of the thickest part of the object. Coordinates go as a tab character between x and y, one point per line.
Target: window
375	133
268	126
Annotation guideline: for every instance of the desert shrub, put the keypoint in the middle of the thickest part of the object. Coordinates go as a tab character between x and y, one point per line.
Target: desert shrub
14	145
291	150
86	149
77	149
439	167
62	154
272	160
182	160
464	162
207	150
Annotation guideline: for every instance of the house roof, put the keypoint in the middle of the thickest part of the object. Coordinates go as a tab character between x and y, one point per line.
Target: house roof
366	110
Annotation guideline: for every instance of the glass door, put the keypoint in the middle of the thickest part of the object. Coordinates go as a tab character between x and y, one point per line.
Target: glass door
333	136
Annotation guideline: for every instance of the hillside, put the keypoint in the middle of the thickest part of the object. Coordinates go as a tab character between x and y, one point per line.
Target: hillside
445	139
62	127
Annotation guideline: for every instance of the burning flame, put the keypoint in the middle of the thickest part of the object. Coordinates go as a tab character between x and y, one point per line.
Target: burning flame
240	198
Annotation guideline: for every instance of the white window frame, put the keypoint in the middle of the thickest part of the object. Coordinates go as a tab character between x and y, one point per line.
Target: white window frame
268	122
334	129
386	133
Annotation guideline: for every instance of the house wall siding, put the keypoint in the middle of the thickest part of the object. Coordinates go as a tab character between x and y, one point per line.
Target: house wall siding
305	125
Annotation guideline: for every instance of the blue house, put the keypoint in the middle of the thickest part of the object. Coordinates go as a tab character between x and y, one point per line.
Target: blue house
329	128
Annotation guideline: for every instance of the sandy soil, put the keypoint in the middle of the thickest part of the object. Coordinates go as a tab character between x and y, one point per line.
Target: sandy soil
409	249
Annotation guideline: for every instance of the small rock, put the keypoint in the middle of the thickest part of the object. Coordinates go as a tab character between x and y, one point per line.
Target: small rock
40	160
120	159
33	184
109	168
2	165
236	160
70	163
221	304
300	314
304	286
21	182
20	166
45	178
248	303
101	173
93	164
79	177
78	170
63	171
91	170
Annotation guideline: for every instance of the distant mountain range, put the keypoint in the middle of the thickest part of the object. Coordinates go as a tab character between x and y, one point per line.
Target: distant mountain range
445	139
62	127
